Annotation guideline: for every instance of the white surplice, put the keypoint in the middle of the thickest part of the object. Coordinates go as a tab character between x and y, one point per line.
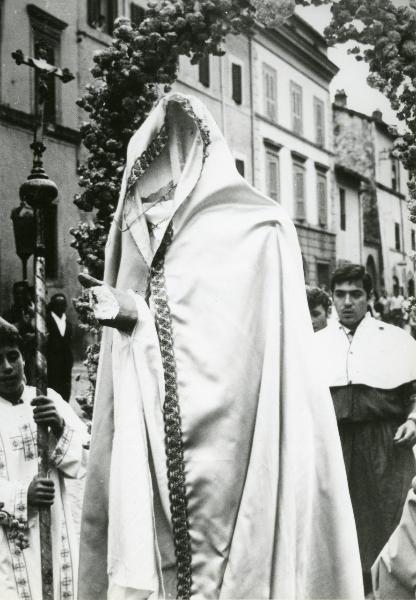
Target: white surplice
20	570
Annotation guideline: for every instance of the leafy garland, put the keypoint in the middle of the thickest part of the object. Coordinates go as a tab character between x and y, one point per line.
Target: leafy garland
142	61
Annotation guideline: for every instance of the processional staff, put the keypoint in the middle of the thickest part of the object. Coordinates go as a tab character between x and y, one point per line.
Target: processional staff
39	191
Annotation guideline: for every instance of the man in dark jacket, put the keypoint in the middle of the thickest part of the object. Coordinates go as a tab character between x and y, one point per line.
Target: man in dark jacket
59	354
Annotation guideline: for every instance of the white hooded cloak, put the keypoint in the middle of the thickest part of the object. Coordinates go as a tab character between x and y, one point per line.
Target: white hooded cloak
268	508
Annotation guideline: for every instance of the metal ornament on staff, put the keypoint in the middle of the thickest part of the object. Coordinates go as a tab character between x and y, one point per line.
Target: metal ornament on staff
39	192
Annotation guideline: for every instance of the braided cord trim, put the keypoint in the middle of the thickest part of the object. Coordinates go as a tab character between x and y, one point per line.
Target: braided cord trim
172	419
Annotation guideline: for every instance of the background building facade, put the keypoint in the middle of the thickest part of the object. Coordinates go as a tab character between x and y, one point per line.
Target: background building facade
371	215
269	94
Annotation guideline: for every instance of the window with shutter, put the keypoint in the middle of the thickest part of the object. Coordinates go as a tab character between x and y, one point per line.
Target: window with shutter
93	12
342	210
397	243
204	70
101	14
296	106
299	189
136	14
270	92
236	76
45	47
395	174
272	175
322	200
413	239
51	241
319	111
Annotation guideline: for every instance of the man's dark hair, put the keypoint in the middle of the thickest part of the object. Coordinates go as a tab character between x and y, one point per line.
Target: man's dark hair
9	335
57	297
317	297
351	272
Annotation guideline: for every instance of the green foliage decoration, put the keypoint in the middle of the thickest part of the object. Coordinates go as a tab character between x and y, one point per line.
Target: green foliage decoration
142	63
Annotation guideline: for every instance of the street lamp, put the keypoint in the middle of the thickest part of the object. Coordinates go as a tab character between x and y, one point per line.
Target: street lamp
24	233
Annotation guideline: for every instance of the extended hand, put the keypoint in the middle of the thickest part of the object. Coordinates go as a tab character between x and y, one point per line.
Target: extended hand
406	434
41	492
112	307
45	413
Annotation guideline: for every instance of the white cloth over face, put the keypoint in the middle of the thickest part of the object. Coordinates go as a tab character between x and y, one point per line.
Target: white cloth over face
380	355
20	571
268	503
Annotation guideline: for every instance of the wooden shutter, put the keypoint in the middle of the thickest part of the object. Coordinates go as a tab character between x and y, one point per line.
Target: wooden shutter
204	70
319	111
272	175
299	185
270	92
237	93
322	200
296	103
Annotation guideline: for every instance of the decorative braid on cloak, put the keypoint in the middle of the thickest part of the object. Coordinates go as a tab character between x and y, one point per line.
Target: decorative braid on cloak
172	419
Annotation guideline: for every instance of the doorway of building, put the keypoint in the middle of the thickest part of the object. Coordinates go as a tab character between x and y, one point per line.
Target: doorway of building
370	267
322	275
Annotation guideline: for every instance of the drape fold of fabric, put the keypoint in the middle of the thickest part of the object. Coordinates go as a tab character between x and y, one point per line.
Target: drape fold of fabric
269	510
394	572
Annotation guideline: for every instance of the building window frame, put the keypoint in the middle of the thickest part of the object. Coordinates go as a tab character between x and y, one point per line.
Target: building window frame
204	70
322	196
319	121
270	92
413	239
395	174
397	237
236	80
272	171
296	107
46	33
51	242
101	15
299	186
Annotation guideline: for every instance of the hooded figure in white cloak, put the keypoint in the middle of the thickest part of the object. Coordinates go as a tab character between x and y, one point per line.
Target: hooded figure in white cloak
215	468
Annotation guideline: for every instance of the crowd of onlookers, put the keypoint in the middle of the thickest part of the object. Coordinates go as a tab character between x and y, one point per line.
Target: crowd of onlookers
388	308
59	337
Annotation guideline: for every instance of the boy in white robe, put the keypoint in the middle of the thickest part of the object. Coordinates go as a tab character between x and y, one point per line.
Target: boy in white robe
22	492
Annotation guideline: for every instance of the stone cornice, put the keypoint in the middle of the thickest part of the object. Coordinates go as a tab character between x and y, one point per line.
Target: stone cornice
296	135
308	227
390	190
26	121
298	47
45	22
343	171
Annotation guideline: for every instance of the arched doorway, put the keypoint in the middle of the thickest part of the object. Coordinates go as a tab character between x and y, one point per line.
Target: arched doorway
371	269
